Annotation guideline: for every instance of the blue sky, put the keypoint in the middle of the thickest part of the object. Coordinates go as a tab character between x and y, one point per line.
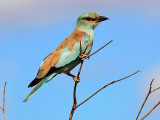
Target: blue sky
32	29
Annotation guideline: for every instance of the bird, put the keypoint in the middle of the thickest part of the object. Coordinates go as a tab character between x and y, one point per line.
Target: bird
67	55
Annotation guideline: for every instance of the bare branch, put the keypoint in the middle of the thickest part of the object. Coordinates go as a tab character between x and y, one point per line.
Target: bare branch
155	89
80	70
100	49
74	103
4	95
81	61
106	86
75	85
150	111
149	92
3	108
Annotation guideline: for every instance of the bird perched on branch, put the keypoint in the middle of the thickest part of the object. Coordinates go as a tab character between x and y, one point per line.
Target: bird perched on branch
68	55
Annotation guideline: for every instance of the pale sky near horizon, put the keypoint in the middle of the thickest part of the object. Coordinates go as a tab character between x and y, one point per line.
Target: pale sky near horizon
31	29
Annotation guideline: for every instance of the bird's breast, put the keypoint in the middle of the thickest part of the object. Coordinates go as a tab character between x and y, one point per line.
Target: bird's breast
90	43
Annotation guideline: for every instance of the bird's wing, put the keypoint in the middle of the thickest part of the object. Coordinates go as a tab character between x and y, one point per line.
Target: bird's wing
65	53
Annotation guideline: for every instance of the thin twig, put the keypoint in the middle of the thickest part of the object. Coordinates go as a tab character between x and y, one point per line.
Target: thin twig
81	61
74	103
80	70
105	87
155	89
150	111
3	108
4	95
100	49
149	92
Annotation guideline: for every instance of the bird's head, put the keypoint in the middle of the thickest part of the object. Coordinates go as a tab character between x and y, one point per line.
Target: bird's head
89	20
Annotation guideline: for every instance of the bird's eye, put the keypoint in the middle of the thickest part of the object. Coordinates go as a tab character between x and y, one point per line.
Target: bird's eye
87	18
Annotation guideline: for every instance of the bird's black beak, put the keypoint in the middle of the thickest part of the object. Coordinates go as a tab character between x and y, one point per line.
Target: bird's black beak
101	18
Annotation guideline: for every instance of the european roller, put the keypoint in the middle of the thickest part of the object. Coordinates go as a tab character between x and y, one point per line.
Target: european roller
66	56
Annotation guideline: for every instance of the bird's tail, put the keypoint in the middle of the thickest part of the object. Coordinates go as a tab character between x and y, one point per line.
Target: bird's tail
39	85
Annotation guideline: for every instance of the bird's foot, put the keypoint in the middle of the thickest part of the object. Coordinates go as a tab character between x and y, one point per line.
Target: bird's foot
83	56
76	79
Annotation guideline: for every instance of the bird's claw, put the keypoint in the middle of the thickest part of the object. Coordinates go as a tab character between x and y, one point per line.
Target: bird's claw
83	56
76	79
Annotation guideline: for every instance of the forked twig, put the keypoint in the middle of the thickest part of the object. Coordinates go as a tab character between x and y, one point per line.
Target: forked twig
75	85
149	92
75	101
3	108
75	106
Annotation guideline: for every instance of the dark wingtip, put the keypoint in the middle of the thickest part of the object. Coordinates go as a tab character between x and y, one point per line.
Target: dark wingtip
34	82
31	84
